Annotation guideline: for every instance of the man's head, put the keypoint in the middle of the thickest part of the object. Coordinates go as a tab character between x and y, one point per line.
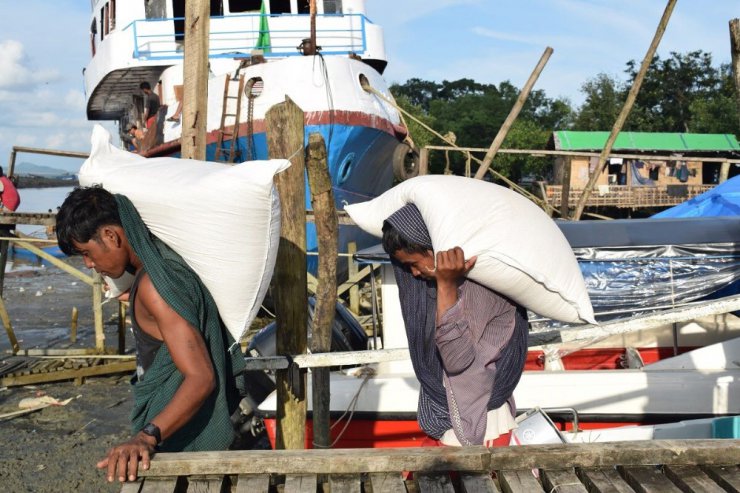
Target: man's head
88	224
132	129
146	87
418	259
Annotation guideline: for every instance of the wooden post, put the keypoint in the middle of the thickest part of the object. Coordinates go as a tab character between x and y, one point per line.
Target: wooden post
423	161
724	171
501	135
98	311
121	328
565	189
73	324
735	50
625	109
325	218
8	327
354	291
285	132
312	13
195	77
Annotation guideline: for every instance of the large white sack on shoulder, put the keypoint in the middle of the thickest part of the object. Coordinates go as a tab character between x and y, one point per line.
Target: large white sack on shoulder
224	220
521	253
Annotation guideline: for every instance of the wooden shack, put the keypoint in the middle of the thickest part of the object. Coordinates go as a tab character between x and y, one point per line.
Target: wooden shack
645	169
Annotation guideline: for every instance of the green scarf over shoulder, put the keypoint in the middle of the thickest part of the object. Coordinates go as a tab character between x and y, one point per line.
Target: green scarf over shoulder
182	289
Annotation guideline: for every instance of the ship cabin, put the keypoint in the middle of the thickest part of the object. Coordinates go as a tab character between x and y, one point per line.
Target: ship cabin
644	169
137	40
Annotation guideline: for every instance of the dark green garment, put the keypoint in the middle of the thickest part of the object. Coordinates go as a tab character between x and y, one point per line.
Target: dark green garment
180	287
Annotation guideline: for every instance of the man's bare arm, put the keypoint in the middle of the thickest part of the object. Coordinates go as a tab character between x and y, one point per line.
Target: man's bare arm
189	353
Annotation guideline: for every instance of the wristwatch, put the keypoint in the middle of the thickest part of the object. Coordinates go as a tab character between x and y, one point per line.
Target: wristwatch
153	431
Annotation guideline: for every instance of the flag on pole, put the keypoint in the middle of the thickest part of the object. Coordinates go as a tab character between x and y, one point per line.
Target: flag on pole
263	40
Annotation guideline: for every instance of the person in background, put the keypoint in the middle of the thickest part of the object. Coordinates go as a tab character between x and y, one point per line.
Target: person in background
151	105
189	370
10	199
137	138
468	344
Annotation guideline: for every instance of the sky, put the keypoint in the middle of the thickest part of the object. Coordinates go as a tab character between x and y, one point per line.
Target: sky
44	46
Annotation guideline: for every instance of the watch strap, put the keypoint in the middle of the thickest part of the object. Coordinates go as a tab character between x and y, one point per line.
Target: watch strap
152	430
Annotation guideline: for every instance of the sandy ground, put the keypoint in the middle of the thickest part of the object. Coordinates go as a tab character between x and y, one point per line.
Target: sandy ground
55	449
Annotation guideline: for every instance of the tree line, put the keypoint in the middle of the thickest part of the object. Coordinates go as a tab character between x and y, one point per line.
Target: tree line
682	93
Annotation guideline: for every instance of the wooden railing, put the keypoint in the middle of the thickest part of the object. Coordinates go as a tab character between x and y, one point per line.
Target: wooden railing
625	196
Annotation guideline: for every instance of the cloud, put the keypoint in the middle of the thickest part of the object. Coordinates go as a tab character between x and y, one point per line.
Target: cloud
14	70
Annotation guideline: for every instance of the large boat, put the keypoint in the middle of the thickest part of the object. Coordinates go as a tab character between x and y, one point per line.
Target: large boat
259	54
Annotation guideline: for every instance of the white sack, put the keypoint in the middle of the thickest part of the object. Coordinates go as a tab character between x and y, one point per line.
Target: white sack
224	220
521	253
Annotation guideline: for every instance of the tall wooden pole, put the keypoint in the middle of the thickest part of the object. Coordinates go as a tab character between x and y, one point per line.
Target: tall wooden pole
325	218
735	49
565	190
284	123
312	13
195	77
634	90
518	105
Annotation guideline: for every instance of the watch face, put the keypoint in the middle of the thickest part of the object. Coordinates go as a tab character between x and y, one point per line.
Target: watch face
152	430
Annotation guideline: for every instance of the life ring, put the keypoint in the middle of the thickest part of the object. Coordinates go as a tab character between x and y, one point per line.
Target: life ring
405	162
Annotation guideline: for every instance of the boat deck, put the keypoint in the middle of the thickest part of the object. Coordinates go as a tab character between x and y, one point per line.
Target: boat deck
647	466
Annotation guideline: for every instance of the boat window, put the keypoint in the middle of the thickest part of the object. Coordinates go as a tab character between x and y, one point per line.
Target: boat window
280	6
112	10
93	32
102	24
304	7
254	86
236	6
346	167
217	8
157	9
332	6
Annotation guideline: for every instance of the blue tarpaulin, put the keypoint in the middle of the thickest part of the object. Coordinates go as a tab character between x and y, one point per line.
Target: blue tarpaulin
722	200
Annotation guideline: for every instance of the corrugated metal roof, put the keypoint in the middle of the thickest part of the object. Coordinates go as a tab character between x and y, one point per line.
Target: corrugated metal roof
569	140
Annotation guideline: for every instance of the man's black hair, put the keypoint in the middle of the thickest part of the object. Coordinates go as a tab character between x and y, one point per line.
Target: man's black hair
145	85
393	241
83	213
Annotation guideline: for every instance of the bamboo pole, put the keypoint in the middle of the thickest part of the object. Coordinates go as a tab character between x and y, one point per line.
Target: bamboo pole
518	105
8	327
97	294
735	51
195	77
55	261
73	325
634	90
322	201
285	131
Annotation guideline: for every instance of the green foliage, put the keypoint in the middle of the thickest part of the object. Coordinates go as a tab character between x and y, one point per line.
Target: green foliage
683	93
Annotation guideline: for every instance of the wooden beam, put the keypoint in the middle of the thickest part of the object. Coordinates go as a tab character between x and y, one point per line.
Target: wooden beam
318	461
195	79
626	108
559	456
322	201
551	152
513	114
285	133
54	376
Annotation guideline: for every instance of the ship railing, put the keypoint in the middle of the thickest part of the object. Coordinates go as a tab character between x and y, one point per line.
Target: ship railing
233	36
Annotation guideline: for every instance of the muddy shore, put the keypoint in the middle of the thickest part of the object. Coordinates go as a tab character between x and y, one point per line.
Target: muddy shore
55	449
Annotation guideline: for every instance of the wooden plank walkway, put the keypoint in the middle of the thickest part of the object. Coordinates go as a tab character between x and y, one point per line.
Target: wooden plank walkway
658	466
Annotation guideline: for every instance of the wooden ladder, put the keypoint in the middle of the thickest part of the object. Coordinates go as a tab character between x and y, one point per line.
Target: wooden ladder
226	146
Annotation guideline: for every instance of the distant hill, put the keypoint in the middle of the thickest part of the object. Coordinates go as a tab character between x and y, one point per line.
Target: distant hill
29	169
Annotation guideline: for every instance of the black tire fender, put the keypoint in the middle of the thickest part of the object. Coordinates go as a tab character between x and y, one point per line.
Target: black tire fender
405	162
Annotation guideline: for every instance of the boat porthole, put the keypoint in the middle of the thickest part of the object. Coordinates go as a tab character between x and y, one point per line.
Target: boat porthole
345	167
364	83
254	86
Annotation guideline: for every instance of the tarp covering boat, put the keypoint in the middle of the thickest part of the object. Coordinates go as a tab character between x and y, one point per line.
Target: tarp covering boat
722	200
